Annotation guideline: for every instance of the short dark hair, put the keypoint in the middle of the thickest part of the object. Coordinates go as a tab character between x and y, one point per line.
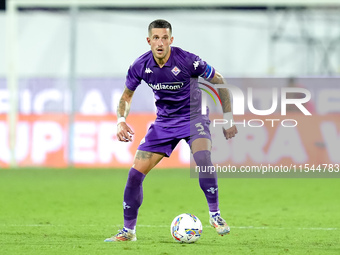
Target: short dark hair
160	23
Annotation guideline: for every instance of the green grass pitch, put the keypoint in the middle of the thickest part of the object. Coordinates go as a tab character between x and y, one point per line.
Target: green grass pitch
72	211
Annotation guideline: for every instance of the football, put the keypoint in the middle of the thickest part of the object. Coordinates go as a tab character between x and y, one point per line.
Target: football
186	228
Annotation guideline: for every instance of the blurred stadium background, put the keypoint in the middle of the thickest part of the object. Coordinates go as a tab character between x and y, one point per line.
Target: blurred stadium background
63	67
62	71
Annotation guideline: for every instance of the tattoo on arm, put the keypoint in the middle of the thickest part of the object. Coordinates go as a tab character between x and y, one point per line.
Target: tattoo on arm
125	103
225	98
121	108
223	92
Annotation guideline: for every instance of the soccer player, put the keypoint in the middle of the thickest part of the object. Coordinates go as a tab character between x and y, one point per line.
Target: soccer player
172	74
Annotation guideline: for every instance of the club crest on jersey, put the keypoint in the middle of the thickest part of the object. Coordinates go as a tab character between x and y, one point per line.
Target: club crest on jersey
175	70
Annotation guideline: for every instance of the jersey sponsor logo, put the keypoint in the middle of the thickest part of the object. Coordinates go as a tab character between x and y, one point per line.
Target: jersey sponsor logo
175	70
166	86
196	64
148	70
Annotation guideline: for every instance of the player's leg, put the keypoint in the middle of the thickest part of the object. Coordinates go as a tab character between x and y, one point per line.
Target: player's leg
143	162
201	149
133	194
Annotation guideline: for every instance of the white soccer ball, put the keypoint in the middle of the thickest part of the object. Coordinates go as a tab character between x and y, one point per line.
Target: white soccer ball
186	228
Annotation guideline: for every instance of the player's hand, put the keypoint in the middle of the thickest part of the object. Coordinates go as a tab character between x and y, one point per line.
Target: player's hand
124	132
230	132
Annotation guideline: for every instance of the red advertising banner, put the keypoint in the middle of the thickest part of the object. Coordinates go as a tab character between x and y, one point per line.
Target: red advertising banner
43	140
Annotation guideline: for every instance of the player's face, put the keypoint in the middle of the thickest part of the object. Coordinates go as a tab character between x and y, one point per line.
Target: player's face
160	40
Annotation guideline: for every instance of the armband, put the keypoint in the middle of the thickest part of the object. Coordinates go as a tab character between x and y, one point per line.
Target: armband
208	73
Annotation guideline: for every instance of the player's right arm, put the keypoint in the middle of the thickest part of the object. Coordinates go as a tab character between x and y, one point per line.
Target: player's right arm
207	72
230	131
124	132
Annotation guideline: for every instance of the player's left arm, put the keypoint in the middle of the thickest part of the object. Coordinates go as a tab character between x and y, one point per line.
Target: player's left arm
230	131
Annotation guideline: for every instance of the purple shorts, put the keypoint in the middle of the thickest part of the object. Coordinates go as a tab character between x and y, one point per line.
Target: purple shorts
163	138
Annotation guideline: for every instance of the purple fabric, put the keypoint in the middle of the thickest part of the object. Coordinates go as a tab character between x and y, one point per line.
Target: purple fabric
164	139
208	181
133	197
199	128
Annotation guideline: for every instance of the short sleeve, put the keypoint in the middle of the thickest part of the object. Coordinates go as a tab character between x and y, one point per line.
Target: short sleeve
201	68
133	79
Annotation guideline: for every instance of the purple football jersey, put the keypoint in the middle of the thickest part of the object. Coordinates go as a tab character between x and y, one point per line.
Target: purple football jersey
177	95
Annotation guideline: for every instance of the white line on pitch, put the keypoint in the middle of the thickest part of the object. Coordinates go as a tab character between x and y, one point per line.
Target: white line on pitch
165	226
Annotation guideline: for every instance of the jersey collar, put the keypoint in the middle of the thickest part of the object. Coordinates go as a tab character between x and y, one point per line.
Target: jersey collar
168	63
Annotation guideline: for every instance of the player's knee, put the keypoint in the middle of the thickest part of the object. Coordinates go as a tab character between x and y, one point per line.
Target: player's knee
142	166
203	158
135	178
